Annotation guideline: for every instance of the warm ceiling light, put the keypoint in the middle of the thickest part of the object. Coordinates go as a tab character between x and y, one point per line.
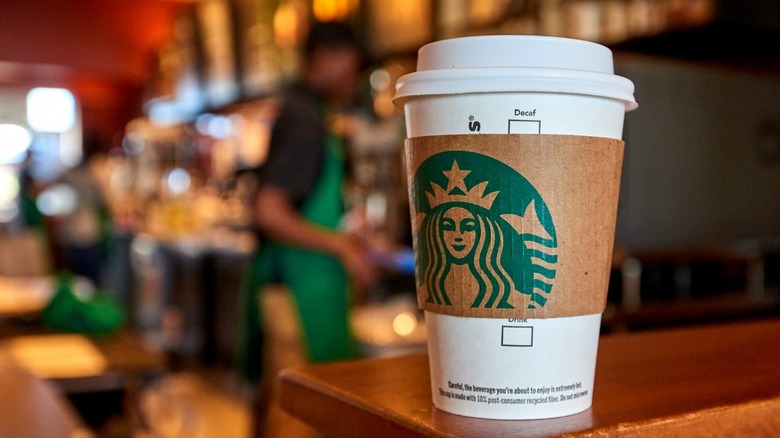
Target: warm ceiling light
330	10
286	26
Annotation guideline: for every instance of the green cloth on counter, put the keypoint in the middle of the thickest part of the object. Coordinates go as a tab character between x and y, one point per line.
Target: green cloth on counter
67	312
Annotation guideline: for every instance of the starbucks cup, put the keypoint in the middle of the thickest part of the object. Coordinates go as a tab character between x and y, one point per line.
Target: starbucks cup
514	155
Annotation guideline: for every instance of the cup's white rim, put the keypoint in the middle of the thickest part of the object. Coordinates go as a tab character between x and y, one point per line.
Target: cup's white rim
515	79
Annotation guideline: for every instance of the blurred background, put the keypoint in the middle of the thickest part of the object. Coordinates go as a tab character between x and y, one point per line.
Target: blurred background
130	129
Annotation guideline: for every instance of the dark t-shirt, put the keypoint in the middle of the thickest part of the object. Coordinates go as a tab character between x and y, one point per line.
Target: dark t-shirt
297	145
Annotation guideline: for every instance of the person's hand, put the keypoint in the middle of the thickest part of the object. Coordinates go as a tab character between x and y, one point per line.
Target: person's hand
361	270
278	219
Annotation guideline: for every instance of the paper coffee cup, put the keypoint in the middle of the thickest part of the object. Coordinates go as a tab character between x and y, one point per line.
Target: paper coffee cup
514	155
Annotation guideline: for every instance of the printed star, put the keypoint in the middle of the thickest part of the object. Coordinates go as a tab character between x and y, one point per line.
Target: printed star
456	178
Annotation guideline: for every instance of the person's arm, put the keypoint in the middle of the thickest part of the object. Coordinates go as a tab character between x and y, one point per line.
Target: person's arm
277	217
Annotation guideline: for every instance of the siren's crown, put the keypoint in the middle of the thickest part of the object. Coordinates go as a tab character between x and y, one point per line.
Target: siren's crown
456	190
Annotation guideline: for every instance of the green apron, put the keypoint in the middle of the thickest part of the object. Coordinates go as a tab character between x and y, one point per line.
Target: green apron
317	281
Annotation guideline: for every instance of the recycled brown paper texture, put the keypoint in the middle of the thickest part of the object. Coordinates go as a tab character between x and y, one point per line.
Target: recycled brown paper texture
513	226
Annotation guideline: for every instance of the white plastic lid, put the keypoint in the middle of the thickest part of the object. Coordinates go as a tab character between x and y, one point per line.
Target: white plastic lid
515	63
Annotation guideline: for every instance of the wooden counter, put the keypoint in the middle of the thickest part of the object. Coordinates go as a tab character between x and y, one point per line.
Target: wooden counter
721	380
32	407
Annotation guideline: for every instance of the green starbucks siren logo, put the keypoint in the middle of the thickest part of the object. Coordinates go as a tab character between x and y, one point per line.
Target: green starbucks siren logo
476	212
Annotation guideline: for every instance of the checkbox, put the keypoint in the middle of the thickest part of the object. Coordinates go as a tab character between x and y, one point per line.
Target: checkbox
517	336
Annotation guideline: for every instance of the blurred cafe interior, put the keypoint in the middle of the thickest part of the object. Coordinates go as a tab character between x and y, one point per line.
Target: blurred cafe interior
130	132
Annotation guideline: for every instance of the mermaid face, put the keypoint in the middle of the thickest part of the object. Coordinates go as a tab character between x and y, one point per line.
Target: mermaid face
459	232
